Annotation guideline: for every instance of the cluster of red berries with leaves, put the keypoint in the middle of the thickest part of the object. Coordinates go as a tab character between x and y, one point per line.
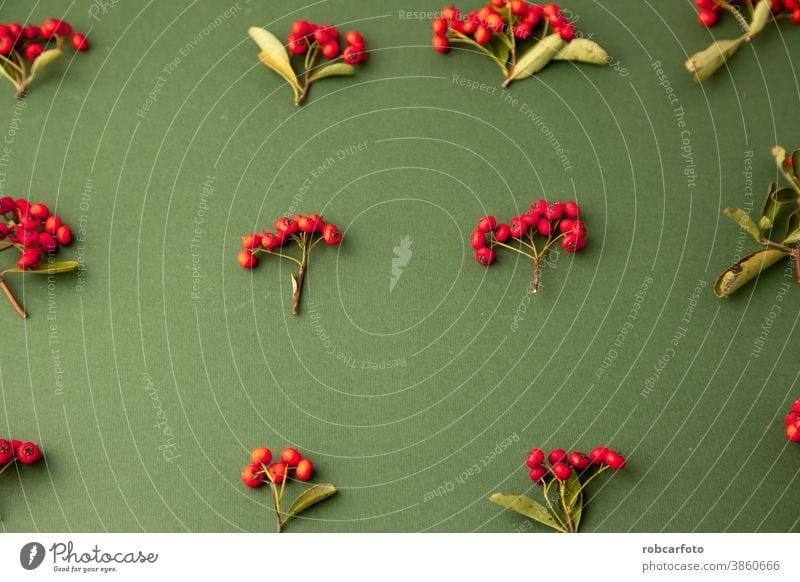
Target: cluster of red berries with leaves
292	466
26	453
793	423
556	222
305	231
310	41
752	16
563	477
37	235
497	28
709	10
40	45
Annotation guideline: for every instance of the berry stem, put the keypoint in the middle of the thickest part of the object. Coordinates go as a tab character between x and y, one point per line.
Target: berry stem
466	40
7	465
281	255
562	490
537	274
516	250
17	307
275	497
589	480
298	282
736	14
546	491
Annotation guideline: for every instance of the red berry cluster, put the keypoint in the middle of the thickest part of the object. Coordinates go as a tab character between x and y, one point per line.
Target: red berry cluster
26	453
262	469
708	10
32	229
793	423
306	231
37	234
561	463
556	221
324	38
498	17
30	41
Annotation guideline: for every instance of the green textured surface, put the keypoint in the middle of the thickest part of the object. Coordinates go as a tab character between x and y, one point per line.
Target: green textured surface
231	368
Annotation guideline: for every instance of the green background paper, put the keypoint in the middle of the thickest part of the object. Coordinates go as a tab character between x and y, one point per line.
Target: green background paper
163	326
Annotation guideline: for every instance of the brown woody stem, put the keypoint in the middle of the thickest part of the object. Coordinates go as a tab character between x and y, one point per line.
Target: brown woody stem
536	275
17	307
298	288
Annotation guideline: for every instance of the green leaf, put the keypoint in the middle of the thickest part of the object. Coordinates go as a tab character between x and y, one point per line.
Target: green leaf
775	218
8	76
583	50
44	60
526	506
48	269
760	18
750	267
793	235
273	54
573	496
796	164
331	70
309	497
705	63
500	49
743	219
537	57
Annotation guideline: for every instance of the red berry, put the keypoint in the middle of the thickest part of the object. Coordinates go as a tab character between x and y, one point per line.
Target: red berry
561	471
3	230
793	433
301	27
482	34
33	50
277	472
269	241
319	223
791	417
499	3
541	206
519	7
15	31
709	4
330	50
305	468
518	226
565	225
477	240
331	234
28	453
39	211
450	13
523	31
567	32
6	204
291	456
64	235
6	44
578	460
29	258
487	224
63	28
246	258
439	26
796	16
330	31
502	233
796	406
351	55
29	223
572	210
554	211
352	37
557	456
30	32
573	243
441	44
530	218
484	256
48	28
286	225
538	474
297	44
47	243
614	460
551	10
261	456
252	476
495	22
79	42
251	241
708	17
16	444
598	455
534	15
579	228
6	452
544	227
535	458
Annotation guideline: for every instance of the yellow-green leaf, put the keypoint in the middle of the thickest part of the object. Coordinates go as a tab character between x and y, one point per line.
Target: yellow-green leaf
796	164
8	75
583	50
48	268
537	57
705	63
331	70
273	54
44	60
743	219
750	267
309	497
526	506
760	18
